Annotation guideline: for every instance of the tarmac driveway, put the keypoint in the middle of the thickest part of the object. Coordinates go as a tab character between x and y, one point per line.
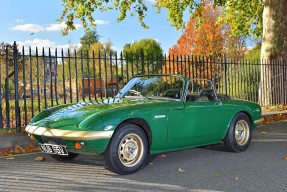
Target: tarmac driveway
212	168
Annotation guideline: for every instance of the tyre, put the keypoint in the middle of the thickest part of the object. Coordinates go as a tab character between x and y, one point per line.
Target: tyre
64	157
239	133
128	150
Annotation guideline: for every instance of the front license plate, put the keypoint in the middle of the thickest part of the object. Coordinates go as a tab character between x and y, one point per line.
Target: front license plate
54	149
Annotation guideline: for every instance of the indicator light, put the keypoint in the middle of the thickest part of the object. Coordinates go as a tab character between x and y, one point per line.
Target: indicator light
32	138
78	145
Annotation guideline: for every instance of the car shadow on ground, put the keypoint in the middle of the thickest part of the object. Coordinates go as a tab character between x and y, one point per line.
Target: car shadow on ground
96	160
99	161
216	147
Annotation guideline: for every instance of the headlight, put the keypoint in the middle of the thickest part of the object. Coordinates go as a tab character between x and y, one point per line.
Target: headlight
90	121
41	115
48	112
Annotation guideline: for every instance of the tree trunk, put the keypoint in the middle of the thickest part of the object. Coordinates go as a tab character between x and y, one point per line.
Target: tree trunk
273	52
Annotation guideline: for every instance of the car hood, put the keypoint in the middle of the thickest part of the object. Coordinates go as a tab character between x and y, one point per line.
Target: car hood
70	117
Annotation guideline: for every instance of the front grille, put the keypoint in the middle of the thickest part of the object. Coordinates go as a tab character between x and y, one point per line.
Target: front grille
52	140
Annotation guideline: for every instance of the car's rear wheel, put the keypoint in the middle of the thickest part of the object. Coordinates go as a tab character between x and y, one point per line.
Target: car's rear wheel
239	133
127	151
69	157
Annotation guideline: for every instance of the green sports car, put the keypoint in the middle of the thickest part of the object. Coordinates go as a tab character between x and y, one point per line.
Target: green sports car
151	114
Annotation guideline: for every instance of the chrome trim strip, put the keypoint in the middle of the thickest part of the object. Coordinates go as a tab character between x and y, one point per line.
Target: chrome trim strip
259	121
68	134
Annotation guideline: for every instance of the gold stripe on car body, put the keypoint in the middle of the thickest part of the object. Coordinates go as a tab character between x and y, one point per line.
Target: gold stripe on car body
68	134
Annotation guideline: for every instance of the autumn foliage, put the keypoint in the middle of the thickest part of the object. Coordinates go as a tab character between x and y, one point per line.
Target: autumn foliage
20	150
202	44
281	116
203	35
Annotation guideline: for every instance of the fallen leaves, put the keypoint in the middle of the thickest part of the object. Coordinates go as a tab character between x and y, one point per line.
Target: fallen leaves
20	150
275	108
10	158
163	155
275	117
40	158
264	133
217	174
180	170
285	158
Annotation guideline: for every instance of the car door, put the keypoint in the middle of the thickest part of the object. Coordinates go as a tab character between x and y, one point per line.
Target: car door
196	119
201	120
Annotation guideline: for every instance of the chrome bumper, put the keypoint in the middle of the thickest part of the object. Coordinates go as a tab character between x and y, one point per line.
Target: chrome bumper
68	134
259	121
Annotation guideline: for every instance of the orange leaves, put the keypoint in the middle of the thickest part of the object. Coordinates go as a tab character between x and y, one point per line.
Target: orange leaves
6	152
275	108
20	150
40	158
202	36
205	36
32	148
276	117
282	107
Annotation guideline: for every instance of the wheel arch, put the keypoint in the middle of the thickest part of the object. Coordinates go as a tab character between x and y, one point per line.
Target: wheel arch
248	115
142	124
242	111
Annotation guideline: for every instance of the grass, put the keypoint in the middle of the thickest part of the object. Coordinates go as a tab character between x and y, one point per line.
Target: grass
11	131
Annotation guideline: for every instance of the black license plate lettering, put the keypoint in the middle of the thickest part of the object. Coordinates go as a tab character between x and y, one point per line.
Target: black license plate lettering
47	148
58	149
54	149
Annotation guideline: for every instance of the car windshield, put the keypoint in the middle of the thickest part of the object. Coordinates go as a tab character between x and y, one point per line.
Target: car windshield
196	85
154	87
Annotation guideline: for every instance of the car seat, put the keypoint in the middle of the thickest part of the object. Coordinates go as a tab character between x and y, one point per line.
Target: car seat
209	93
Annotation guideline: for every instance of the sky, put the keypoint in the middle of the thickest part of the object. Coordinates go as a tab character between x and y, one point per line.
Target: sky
34	23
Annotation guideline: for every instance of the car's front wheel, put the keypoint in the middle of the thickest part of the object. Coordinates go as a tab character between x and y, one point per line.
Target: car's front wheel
127	151
239	133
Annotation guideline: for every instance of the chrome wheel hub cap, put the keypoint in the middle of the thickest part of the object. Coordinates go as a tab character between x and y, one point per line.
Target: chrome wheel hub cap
242	132
130	150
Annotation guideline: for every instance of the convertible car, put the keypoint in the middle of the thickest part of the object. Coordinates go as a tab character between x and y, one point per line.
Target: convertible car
152	114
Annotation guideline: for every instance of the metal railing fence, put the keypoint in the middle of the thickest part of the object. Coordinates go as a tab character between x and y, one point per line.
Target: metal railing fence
33	80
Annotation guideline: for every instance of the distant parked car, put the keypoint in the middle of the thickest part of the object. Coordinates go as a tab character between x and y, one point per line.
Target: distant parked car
152	114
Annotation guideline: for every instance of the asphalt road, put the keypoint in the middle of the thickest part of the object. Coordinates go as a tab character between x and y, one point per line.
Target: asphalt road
260	168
